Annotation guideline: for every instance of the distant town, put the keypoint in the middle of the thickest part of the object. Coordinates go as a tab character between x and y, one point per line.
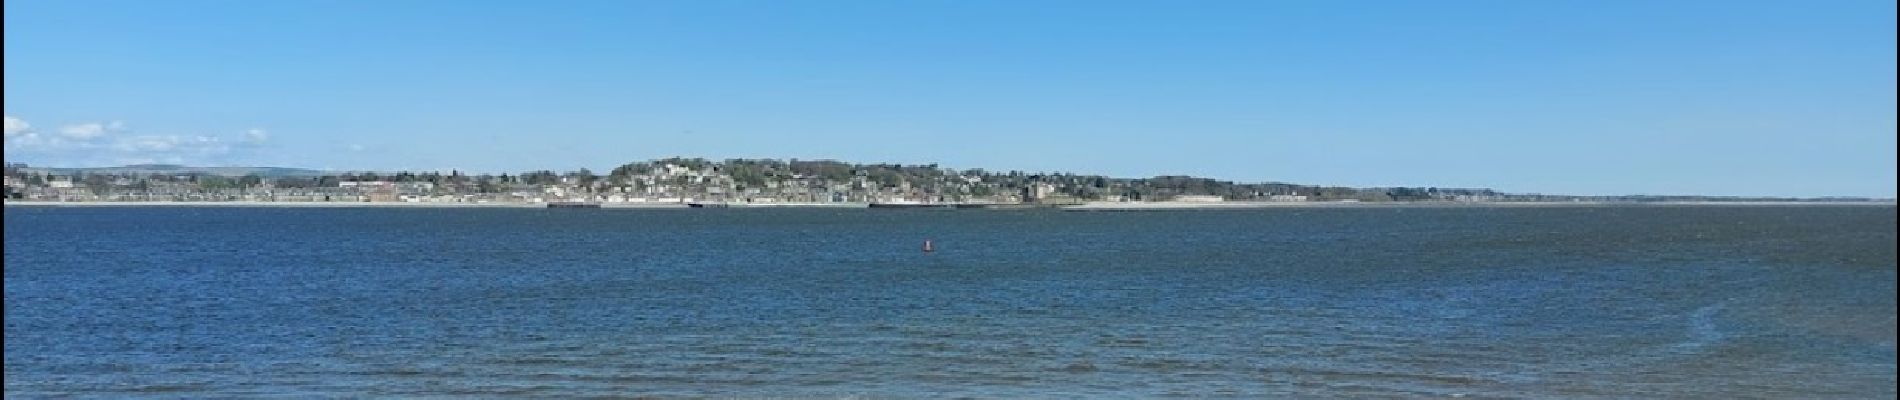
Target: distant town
736	182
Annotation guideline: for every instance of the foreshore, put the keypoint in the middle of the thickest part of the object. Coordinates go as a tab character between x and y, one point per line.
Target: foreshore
1094	206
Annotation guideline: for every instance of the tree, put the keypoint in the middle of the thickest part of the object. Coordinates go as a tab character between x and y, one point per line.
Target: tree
747	174
99	184
542	177
213	182
584	178
627	171
293	182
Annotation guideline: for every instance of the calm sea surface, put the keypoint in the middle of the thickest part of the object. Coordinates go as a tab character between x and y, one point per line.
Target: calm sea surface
1575	302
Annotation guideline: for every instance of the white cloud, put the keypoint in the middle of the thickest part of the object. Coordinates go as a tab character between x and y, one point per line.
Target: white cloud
22	138
104	143
17	127
253	138
172	146
147	143
85	131
147	160
356	147
208	144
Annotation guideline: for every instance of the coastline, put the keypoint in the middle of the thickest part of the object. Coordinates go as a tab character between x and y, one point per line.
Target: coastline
1164	206
334	204
1094	206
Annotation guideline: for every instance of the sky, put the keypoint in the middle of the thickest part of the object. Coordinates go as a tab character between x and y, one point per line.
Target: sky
1598	97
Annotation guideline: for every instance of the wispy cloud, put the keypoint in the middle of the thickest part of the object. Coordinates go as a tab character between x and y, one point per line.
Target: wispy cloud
17	127
21	137
91	130
256	135
101	143
175	147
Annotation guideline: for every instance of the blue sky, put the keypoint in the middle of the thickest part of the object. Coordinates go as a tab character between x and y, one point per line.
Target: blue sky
1582	97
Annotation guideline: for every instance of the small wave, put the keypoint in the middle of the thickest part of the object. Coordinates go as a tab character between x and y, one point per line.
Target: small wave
1387	381
171	388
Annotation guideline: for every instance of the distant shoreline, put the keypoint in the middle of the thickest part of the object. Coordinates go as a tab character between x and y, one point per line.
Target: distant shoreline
1252	205
330	204
1097	206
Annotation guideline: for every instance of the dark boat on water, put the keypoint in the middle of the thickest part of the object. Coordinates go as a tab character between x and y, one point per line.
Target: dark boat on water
572	204
1006	206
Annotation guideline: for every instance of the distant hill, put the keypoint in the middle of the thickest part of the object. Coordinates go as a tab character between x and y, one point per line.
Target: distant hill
170	169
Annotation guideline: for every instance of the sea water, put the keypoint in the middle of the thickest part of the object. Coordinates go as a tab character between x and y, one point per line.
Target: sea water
1566	302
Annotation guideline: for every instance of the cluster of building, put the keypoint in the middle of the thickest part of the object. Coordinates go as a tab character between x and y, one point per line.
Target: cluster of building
675	181
663	183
